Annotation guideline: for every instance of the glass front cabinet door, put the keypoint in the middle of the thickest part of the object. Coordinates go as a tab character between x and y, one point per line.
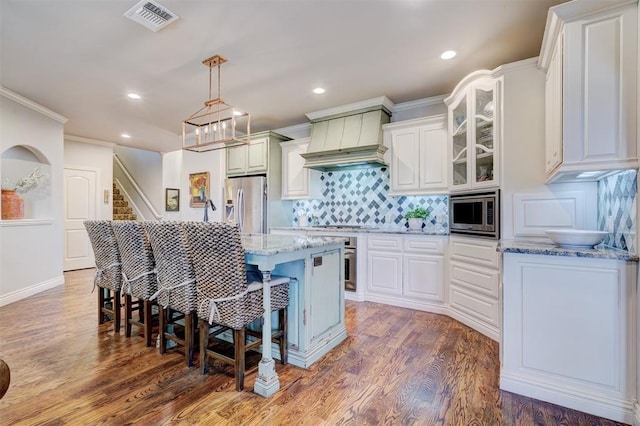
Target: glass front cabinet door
473	108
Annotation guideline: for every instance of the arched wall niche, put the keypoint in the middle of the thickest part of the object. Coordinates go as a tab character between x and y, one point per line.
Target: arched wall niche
18	162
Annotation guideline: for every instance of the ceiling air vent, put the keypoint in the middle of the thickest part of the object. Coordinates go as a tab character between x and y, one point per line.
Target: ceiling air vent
151	15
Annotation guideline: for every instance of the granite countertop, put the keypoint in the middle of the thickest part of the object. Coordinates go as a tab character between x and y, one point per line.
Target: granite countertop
269	244
550	249
364	229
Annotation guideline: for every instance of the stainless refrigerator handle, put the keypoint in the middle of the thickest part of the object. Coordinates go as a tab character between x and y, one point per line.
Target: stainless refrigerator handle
240	203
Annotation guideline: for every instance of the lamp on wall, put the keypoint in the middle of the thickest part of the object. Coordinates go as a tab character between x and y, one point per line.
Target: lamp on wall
217	125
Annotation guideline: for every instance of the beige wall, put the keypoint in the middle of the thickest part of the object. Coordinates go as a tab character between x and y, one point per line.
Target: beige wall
31	250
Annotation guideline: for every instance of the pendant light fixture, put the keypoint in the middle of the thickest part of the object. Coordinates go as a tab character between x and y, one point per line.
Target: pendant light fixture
217	125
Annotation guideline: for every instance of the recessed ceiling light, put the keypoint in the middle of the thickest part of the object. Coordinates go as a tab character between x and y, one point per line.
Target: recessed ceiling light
318	90
133	95
125	135
448	54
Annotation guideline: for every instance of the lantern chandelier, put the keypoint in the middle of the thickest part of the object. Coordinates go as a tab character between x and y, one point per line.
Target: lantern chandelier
217	125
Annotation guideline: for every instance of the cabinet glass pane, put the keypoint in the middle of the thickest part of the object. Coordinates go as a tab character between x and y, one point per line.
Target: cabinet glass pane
483	138
459	145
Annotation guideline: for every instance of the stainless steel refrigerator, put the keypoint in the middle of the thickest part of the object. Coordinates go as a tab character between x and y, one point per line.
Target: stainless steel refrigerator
246	203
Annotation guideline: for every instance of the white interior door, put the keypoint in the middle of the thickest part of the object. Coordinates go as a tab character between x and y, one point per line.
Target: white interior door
79	205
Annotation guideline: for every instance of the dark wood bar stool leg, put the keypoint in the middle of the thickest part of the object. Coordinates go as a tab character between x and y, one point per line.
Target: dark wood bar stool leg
204	342
127	315
240	340
101	301
117	314
189	344
148	321
163	329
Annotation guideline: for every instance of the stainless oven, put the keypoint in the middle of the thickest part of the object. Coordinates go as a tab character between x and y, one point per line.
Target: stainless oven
350	264
475	213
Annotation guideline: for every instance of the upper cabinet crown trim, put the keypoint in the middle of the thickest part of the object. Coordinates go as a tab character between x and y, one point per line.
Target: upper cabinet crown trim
352	108
439	120
434	100
566	12
462	85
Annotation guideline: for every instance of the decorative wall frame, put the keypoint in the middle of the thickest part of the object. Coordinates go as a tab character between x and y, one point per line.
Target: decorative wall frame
198	189
172	200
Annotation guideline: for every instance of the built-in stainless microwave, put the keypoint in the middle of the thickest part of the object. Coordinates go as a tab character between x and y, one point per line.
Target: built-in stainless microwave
476	213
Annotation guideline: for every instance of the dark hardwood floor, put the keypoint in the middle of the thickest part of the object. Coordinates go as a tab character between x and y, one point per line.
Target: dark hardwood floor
397	367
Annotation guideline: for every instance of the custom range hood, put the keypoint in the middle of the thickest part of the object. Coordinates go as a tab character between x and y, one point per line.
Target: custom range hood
349	136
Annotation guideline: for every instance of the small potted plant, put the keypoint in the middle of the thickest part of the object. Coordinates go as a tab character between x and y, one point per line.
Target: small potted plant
416	217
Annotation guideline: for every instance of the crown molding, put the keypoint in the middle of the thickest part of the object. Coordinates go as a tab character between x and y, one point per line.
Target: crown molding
425	102
9	94
381	101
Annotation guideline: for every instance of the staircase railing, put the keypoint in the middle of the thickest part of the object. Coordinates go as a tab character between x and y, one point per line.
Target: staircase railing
132	192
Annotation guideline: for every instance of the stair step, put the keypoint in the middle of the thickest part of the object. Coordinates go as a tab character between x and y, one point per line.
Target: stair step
121	208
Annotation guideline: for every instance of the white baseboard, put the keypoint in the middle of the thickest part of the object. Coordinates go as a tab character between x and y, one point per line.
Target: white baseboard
577	399
469	321
14	296
353	296
434	307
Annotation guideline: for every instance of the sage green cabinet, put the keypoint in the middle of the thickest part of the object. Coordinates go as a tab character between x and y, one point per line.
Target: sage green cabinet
249	159
263	156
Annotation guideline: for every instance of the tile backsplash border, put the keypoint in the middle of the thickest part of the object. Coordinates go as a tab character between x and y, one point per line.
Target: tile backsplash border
617	210
360	197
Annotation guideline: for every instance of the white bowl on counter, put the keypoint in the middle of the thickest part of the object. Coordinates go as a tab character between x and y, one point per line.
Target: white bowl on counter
576	237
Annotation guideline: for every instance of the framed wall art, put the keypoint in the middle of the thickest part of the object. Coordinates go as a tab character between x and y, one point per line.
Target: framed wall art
198	189
172	199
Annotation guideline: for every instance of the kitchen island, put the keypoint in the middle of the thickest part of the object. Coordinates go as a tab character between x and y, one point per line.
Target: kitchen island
316	321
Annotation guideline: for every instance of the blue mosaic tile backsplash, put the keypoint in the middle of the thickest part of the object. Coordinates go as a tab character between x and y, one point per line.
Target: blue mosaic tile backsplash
617	210
359	197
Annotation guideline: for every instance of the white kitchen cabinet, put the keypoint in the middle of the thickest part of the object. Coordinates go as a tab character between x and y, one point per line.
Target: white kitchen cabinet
298	182
569	332
418	152
423	276
474	284
384	270
553	111
406	270
474	132
589	53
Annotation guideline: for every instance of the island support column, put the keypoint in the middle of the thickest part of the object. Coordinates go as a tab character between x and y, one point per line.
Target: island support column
267	382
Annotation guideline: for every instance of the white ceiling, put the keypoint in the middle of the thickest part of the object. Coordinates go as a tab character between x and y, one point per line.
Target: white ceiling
80	58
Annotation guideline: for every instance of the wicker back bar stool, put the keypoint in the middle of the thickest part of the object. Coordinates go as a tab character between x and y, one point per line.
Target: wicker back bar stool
138	275
108	276
176	286
226	299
